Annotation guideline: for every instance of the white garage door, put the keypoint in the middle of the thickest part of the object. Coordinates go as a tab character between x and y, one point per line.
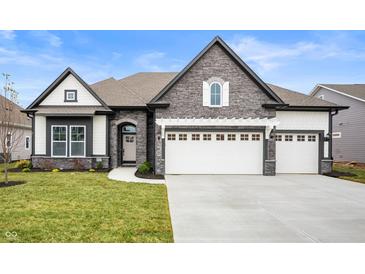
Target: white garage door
213	152
297	153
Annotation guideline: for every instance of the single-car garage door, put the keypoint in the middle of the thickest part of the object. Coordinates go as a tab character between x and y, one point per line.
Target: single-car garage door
297	153
213	152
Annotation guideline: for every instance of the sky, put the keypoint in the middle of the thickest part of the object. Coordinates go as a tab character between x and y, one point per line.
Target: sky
296	60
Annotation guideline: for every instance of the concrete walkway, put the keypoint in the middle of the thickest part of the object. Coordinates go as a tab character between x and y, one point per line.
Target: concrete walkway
126	174
250	208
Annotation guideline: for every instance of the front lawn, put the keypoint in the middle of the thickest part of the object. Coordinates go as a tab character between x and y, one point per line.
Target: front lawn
359	171
82	207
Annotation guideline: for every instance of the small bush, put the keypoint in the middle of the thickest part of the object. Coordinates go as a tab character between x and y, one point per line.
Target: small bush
55	170
26	169
91	170
145	168
23	164
99	165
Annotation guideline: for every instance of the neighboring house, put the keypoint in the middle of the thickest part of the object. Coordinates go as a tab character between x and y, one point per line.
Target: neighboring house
216	116
349	125
22	147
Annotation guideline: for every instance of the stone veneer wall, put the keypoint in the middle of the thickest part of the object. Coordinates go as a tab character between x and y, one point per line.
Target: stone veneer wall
45	162
186	96
136	117
326	166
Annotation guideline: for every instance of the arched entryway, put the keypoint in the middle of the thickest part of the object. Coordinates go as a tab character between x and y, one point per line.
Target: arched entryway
127	151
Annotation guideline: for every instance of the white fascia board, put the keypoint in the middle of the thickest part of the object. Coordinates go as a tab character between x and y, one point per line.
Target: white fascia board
336	91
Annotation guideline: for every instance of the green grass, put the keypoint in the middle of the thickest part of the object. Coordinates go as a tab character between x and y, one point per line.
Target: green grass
359	171
83	207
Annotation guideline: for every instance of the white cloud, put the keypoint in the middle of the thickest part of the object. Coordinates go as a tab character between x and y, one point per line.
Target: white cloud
270	55
48	37
7	34
150	60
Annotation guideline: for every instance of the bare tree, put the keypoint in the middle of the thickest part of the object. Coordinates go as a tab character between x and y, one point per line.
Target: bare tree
11	132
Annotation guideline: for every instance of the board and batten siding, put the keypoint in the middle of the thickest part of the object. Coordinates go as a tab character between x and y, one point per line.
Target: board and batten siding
350	122
39	135
304	120
99	134
57	96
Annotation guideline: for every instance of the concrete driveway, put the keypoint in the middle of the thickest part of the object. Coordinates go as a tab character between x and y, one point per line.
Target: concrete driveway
249	208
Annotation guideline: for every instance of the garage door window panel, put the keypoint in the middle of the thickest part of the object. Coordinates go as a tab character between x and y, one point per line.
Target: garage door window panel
311	138
278	138
171	137
300	138
231	137
288	138
244	137
183	137
219	137
207	137
255	137
195	137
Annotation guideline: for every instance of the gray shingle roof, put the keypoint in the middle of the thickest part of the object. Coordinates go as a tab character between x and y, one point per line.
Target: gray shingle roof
356	90
138	89
135	90
294	98
19	117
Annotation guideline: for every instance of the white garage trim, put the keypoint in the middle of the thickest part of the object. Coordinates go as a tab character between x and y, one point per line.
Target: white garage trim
268	123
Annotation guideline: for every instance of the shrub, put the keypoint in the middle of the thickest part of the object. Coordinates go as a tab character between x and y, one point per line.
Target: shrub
99	165
145	168
23	164
55	170
26	169
91	170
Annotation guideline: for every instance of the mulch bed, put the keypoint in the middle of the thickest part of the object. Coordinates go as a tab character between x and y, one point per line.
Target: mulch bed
337	174
149	176
11	183
65	170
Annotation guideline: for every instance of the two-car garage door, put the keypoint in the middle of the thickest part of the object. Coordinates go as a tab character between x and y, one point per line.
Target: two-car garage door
214	153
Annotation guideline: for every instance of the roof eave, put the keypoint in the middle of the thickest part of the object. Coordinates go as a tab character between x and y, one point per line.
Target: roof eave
294	107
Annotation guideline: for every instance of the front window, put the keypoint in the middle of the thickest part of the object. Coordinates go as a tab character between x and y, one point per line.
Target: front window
70	96
129	129
215	94
59	141
77	141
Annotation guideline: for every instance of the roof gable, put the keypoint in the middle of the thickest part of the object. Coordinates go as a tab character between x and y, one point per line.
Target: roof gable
218	41
67	74
354	91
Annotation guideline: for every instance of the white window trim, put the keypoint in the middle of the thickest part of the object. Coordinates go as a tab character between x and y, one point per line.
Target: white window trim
78	156
210	95
338	133
25	145
58	156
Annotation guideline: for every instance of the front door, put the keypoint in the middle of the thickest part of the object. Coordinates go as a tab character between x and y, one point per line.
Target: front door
129	148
